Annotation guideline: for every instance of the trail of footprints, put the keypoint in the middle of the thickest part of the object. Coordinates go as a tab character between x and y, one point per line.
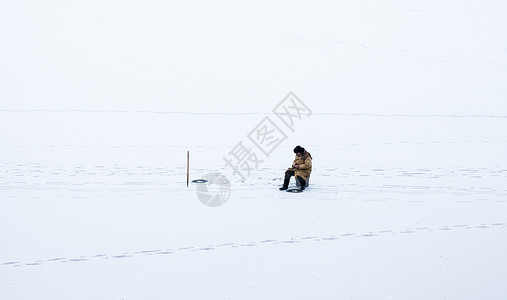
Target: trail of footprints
305	239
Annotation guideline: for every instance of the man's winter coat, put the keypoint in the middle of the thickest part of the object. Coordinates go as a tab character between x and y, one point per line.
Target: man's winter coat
304	164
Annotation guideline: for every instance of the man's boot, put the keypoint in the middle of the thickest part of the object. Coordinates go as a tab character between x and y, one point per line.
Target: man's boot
302	183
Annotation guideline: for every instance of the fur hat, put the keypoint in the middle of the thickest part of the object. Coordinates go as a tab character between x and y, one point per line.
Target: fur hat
299	149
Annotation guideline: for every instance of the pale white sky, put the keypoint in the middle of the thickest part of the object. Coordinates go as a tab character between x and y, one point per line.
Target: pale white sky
244	56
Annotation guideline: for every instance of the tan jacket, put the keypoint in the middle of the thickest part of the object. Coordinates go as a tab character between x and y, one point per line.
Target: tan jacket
304	165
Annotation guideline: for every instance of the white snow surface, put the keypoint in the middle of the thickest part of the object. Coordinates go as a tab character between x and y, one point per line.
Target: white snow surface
101	100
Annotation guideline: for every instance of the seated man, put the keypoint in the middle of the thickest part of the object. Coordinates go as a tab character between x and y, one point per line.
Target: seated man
301	168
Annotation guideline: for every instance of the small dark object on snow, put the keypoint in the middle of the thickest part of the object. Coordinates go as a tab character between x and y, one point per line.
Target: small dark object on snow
199	181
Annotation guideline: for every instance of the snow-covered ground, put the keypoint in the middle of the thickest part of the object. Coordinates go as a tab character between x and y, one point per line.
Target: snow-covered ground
101	102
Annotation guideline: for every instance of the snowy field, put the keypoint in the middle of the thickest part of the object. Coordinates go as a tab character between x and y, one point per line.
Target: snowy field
101	102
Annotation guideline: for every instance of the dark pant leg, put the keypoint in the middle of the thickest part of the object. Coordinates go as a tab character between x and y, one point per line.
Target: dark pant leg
288	175
302	182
